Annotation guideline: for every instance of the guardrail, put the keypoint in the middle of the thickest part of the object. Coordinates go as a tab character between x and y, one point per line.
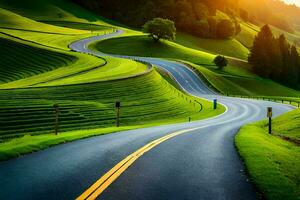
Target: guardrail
273	99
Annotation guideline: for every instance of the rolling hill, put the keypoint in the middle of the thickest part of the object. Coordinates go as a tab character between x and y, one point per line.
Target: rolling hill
38	69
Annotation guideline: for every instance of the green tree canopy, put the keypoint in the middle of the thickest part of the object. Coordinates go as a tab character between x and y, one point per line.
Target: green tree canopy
159	28
225	29
275	58
220	61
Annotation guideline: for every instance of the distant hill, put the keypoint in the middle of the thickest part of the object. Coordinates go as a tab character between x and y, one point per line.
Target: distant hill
274	12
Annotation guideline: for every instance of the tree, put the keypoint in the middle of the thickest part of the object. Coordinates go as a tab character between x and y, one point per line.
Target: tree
283	72
275	58
159	28
225	29
295	67
262	54
212	21
220	61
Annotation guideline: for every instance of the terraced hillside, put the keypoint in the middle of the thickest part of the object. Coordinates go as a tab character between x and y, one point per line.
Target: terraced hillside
145	99
52	38
24	64
19	61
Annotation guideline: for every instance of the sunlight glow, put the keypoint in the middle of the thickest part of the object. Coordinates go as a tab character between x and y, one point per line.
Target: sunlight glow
297	2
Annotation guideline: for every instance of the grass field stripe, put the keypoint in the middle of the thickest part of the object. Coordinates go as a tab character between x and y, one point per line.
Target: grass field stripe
100	185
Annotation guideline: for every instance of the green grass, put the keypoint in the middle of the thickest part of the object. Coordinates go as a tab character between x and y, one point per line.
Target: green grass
77	25
235	82
12	20
51	10
28	144
287	125
52	40
32	64
58	34
247	35
19	61
230	47
236	79
114	69
145	99
273	163
37	53
63	70
144	46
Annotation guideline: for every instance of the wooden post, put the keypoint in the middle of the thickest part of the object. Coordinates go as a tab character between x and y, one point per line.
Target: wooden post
118	106
56	121
270	115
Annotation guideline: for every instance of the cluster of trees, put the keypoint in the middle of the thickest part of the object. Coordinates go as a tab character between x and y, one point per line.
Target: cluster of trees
197	17
275	58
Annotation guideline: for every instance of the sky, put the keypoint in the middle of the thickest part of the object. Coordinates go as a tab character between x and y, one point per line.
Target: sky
297	2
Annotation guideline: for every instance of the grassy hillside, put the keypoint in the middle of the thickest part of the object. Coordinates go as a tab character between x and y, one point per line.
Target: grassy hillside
51	10
58	34
45	44
19	61
143	46
236	82
235	79
247	34
12	20
272	162
147	98
25	64
230	47
287	125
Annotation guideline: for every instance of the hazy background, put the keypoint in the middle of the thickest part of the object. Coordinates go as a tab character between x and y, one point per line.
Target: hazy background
297	2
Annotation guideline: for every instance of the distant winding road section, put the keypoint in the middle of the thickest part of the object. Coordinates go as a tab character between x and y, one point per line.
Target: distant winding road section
200	164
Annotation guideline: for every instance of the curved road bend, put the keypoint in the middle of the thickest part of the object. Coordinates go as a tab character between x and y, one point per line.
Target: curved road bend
199	164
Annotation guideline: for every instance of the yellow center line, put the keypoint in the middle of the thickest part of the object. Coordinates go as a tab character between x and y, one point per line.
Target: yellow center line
102	183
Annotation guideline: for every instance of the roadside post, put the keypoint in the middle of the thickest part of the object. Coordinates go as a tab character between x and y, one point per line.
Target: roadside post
215	104
56	121
270	115
118	106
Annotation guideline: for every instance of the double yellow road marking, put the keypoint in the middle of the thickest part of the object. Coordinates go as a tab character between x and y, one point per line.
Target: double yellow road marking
100	185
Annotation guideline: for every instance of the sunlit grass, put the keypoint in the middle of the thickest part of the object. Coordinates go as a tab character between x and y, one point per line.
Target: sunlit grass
273	163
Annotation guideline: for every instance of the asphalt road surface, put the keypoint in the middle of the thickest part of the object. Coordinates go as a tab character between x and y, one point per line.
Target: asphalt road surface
199	164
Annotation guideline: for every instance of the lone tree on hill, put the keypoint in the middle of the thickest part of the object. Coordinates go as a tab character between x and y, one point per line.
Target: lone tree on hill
159	28
220	61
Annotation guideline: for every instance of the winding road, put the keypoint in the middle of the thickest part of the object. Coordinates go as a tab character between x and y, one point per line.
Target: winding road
195	160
